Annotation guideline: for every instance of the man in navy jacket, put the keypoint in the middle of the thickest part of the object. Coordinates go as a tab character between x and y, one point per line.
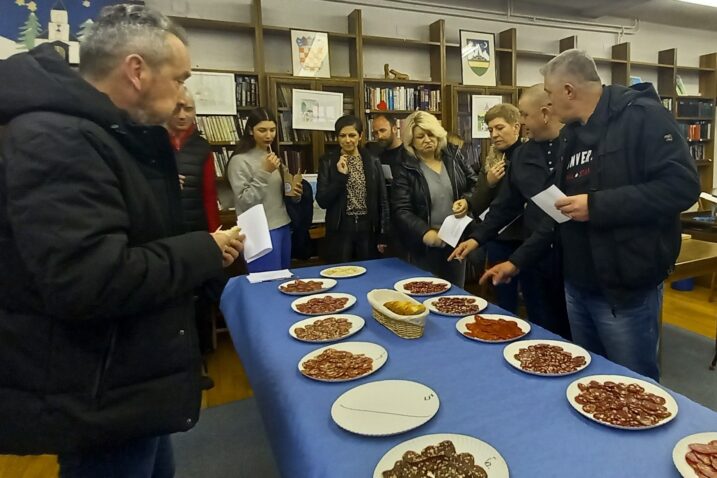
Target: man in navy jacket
627	174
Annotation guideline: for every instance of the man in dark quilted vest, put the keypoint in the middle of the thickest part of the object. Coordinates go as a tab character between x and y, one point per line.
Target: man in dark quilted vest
197	179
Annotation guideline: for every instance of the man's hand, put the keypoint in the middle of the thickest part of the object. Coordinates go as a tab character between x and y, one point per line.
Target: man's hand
500	273
463	249
496	173
460	208
575	207
431	239
181	181
231	243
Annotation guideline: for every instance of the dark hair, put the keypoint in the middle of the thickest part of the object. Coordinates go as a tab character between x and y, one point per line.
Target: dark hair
392	120
247	142
348	120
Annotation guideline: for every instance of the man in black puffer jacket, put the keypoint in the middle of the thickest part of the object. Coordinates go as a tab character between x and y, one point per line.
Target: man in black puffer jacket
627	174
97	340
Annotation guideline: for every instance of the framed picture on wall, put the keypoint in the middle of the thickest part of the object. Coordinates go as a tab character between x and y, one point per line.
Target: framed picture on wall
316	110
480	104
310	54
478	58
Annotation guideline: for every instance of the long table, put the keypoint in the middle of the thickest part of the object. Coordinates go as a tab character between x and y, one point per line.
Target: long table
526	418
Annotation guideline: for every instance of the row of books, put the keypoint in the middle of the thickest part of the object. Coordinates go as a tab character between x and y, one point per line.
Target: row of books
247	91
220	129
695	108
221	159
403	98
287	134
700	130
698	151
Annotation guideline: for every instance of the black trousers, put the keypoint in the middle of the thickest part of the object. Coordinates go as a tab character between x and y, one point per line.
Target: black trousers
354	241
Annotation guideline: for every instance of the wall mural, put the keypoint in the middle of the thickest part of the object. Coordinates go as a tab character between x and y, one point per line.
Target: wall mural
24	24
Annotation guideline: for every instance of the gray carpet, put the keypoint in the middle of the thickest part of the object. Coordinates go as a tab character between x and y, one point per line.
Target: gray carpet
685	365
230	442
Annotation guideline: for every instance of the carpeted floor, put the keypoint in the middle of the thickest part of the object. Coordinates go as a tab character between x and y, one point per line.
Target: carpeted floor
229	441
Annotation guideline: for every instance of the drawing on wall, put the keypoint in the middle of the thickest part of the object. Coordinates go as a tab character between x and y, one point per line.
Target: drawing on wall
316	110
310	54
214	93
477	58
480	104
25	24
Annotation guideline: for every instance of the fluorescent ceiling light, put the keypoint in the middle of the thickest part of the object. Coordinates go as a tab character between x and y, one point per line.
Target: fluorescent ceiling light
707	3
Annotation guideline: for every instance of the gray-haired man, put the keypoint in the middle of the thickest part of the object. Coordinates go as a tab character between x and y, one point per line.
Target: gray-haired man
627	174
97	337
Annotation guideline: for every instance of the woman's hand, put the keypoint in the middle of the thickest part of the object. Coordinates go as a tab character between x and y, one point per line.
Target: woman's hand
431	239
271	163
496	173
460	208
343	166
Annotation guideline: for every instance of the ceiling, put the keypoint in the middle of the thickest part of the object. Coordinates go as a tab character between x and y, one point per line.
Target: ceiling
669	12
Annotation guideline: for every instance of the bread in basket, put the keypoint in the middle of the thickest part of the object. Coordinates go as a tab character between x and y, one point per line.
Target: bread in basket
405	326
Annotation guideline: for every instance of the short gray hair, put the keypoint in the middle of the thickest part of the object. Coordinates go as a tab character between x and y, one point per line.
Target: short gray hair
124	29
575	63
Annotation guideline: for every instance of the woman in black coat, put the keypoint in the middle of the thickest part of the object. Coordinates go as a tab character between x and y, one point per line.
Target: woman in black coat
352	189
432	184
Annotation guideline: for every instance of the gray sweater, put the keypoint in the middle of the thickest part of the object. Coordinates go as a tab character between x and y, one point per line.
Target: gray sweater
252	185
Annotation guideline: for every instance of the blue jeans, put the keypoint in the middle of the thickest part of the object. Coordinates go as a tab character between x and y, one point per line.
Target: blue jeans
280	255
626	335
142	458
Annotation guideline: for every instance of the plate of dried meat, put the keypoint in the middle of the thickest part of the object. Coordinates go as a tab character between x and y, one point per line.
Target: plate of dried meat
695	456
343	362
321	304
442	454
492	328
455	305
422	286
547	358
326	328
623	402
306	286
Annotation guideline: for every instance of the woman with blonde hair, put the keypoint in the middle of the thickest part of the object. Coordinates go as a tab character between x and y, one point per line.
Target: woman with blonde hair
432	184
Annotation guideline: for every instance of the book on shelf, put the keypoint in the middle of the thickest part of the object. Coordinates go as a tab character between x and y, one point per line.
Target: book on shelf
294	161
667	103
221	157
696	131
246	91
287	134
698	151
221	129
694	107
404	98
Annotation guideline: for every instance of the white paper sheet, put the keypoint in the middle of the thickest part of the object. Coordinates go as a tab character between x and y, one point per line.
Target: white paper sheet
546	201
452	229
256	277
708	197
387	174
256	229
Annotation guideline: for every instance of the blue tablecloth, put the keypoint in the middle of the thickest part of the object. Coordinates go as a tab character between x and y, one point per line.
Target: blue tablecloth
526	418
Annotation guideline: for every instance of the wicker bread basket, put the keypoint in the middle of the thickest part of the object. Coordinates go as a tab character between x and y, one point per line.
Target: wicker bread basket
405	326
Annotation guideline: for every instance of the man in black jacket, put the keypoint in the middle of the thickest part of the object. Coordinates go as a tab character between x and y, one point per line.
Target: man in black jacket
98	344
530	171
627	174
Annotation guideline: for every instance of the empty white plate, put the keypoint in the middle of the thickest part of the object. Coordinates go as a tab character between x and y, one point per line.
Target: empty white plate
386	407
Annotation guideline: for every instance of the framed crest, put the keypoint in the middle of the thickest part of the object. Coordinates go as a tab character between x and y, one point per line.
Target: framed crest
310	54
478	58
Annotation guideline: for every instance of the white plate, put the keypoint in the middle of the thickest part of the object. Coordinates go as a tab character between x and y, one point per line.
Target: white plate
399	285
522	324
357	324
343	272
670	403
575	350
386	407
369	349
485	455
682	447
337	295
326	284
482	303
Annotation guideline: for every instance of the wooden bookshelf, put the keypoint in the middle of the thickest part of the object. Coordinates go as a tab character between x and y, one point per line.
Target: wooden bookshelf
435	44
